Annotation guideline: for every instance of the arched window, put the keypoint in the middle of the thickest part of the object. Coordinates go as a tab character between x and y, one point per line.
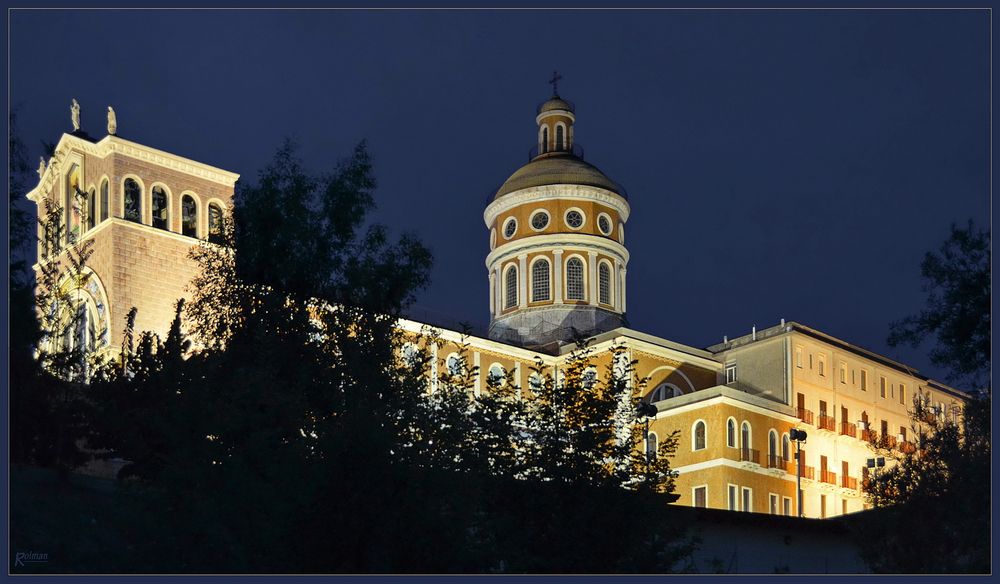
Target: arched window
214	223
545	140
454	363
651	447
497	375
104	200
786	448
589	378
161	210
699	438
604	283
664	391
91	213
133	201
745	436
574	279
560	130
731	433
510	292
411	355
540	281
772	447
189	216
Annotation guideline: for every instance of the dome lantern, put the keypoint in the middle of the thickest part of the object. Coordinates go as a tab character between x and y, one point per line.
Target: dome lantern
555	123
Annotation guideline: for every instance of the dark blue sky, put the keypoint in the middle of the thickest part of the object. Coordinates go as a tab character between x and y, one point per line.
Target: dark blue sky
792	164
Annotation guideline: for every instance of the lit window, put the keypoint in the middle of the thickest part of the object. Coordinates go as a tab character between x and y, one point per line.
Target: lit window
189	216
651	447
539	220
160	209
574	219
540	281
574	279
510	299
133	201
699	435
604	283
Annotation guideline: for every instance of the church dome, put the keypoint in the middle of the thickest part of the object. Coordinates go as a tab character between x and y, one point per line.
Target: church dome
555	103
558	168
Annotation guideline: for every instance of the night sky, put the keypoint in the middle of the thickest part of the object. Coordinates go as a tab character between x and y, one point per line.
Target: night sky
779	164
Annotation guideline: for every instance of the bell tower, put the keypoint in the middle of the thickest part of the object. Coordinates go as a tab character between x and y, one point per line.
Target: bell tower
557	260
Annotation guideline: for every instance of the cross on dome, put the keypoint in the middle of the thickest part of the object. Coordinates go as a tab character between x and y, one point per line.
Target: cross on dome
555	83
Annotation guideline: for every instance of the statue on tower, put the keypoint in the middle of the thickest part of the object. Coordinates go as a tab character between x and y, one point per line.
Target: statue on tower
112	121
74	113
41	166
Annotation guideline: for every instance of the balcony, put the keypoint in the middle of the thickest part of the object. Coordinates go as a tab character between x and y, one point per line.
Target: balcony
849	483
868	435
827	423
808	472
805	415
775	461
848	429
750	455
907	447
828	477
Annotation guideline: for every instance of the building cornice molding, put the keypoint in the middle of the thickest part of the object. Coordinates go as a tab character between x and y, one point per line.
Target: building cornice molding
557	240
556	192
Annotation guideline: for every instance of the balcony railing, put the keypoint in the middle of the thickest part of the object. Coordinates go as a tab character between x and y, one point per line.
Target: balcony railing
907	447
775	461
867	435
808	472
805	415
750	455
848	429
849	483
828	477
827	423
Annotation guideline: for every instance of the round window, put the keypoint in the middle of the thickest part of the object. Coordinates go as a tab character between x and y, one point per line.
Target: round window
510	228
574	219
539	220
604	224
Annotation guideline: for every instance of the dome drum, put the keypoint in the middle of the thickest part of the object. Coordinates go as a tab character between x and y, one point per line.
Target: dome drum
553	324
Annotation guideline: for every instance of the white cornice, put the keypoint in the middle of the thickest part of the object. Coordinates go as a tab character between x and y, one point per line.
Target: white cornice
556	192
474	342
557	240
658	351
116	145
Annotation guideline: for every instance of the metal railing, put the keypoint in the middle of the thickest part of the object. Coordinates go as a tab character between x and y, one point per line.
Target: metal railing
750	455
808	472
849	483
848	429
775	461
827	423
805	415
828	477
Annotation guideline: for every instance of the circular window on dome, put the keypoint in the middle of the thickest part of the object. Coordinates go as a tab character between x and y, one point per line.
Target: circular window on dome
540	220
604	223
574	218
510	228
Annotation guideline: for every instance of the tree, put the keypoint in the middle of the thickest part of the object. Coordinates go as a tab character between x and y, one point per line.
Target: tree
957	313
935	499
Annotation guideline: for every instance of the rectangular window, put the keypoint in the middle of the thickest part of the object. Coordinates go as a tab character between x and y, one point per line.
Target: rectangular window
902	432
881	386
843	373
843	506
734	502
854	377
772	504
822	506
786	506
885	428
731	373
701	496
747	499
810	360
902	394
822	408
822	366
864	380
798	357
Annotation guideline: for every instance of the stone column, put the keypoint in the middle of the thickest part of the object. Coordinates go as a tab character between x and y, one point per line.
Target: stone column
592	276
522	280
557	273
434	367
499	289
517	378
623	289
493	295
479	374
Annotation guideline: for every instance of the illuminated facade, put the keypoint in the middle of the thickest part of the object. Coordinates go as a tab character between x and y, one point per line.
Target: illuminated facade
556	270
